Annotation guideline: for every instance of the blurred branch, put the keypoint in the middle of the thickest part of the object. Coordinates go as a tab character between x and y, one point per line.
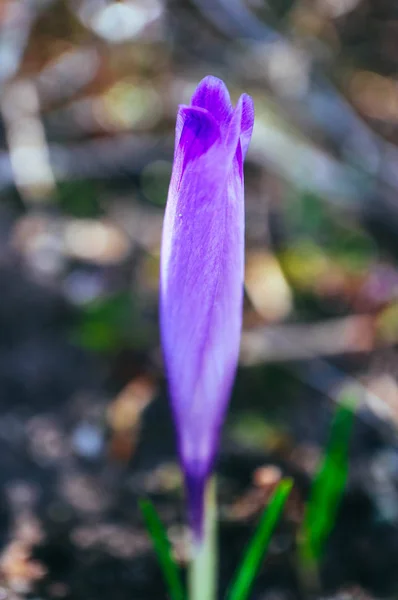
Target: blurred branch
26	139
125	154
293	157
122	155
303	345
305	165
27	162
367	155
67	74
16	22
286	342
234	19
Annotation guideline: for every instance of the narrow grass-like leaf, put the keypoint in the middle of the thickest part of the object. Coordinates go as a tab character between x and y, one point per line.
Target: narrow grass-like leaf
258	546
328	486
162	548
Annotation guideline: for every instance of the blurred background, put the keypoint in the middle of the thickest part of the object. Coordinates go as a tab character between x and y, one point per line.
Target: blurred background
88	97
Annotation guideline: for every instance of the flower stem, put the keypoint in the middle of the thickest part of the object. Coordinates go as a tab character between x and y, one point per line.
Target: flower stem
203	567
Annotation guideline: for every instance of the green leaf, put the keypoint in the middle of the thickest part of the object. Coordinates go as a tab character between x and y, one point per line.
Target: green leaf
328	486
104	323
258	546
163	551
80	198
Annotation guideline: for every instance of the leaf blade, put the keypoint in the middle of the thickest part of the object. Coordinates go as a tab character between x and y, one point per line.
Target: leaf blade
161	545
328	485
244	578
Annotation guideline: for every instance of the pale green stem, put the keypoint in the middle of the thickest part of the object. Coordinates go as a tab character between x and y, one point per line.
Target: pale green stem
308	571
204	563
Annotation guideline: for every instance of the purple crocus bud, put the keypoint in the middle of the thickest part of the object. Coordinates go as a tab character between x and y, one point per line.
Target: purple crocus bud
202	268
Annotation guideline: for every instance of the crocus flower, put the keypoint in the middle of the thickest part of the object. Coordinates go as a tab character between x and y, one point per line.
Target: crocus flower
202	268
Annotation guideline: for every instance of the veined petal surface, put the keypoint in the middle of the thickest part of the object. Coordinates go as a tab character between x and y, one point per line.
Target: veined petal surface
202	263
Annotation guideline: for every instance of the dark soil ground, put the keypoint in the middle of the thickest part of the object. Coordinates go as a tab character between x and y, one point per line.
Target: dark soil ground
70	526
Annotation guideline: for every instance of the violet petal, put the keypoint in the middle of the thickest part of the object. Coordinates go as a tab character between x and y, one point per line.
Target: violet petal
202	262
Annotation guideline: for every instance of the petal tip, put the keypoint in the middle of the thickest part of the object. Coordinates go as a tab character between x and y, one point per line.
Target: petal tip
212	94
247	121
196	131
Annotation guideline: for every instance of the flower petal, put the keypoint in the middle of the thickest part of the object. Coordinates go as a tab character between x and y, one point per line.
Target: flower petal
212	94
247	122
196	132
201	297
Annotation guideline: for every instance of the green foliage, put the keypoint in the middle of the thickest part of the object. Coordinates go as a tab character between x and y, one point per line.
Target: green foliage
307	213
258	546
352	249
79	198
252	430
162	548
105	323
328	486
155	180
322	234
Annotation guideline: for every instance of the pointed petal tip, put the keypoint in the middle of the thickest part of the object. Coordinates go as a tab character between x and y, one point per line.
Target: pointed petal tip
197	115
212	94
247	109
247	121
196	131
211	81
